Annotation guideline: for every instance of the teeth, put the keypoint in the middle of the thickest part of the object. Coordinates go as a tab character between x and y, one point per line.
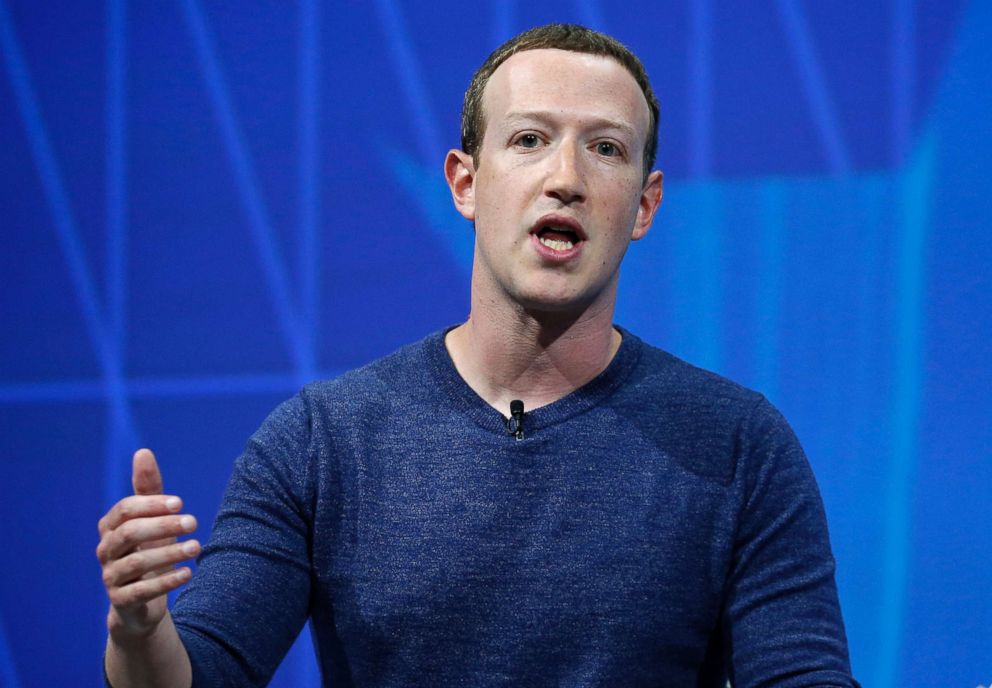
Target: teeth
556	244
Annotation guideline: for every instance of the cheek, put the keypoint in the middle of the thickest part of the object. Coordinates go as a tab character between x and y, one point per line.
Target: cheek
488	209
624	203
494	198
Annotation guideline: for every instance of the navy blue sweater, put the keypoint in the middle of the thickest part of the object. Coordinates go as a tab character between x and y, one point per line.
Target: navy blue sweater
659	526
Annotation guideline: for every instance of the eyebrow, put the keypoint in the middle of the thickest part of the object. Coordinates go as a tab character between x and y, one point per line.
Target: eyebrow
550	117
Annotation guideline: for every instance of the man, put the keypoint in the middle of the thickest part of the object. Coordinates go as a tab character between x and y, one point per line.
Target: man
638	522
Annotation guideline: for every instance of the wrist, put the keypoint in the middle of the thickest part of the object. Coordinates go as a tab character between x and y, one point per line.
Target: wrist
128	633
153	657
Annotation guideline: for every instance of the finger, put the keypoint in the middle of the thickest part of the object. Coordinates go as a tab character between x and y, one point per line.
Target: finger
143	591
145	476
137	564
139	506
139	532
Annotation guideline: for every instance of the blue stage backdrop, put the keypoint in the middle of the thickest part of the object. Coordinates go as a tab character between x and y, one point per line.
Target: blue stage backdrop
206	203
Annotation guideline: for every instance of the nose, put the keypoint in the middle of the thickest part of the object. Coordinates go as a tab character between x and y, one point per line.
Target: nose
565	180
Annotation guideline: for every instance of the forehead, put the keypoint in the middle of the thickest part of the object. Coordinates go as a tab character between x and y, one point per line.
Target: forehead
570	84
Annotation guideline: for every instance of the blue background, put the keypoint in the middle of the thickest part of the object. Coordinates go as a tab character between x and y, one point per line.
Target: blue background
204	204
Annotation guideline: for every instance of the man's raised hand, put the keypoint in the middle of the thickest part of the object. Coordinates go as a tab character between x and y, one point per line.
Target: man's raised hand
138	552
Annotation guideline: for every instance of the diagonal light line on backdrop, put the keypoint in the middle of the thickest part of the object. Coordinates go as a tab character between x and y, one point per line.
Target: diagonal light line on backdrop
153	387
48	392
903	56
591	14
55	194
309	178
773	200
65	224
214	385
411	80
909	291
700	88
116	185
501	13
815	84
8	670
701	282
247	185
115	469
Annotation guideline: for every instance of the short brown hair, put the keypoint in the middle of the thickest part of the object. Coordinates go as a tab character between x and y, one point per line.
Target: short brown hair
570	37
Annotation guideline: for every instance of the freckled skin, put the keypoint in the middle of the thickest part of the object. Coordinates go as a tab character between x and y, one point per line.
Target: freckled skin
564	133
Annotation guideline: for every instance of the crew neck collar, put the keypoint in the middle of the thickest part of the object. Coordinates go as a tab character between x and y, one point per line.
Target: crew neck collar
582	399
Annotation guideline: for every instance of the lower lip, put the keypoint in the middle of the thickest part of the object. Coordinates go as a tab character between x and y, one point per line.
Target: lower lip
554	256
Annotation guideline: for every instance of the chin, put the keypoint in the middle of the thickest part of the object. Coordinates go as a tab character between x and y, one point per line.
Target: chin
555	304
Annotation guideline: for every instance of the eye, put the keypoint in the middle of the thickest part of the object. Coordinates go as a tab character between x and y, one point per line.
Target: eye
528	141
607	149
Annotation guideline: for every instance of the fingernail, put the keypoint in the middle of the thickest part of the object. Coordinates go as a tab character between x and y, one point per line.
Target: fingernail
190	547
187	523
173	503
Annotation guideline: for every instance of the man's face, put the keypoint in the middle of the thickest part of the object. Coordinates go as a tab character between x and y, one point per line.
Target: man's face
559	191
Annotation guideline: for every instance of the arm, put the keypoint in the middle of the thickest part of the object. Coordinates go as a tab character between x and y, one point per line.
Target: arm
156	660
782	616
137	553
251	595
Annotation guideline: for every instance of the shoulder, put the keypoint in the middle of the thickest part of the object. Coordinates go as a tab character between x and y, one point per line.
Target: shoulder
333	413
707	421
662	381
400	379
402	371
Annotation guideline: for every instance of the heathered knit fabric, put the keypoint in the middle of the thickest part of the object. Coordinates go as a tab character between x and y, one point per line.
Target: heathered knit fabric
659	526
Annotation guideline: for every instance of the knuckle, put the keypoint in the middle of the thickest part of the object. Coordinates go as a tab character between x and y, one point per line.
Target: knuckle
132	598
117	597
109	580
127	533
113	517
113	549
131	567
129	595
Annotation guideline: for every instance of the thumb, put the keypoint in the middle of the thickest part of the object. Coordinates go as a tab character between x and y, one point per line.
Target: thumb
145	476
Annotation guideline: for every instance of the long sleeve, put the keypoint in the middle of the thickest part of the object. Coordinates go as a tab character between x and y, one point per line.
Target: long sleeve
782	619
250	596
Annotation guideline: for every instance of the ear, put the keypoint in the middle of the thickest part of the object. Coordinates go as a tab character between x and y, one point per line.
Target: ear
649	202
459	171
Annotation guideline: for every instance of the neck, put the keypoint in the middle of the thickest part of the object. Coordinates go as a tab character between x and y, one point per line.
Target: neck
535	357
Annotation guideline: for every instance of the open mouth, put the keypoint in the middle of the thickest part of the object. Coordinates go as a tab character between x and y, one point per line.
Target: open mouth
558	238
